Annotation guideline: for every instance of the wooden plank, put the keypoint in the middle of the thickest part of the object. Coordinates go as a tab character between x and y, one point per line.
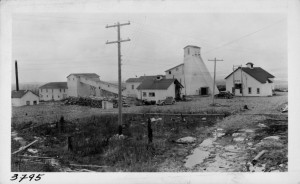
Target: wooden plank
36	157
24	147
77	165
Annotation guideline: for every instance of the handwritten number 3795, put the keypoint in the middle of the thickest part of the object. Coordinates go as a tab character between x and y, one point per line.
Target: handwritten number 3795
24	176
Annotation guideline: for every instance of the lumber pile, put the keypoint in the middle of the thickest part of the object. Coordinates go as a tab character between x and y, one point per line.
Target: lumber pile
96	103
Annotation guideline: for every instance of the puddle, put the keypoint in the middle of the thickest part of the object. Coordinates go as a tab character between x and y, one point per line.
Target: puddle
196	157
207	143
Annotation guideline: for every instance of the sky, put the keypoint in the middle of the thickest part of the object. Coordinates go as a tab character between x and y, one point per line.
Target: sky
48	47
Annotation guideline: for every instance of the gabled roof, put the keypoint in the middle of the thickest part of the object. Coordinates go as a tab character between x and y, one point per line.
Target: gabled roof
88	75
257	73
20	93
142	78
157	84
55	85
192	46
175	67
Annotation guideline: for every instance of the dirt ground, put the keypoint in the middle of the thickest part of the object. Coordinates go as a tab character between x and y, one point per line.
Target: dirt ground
227	144
52	111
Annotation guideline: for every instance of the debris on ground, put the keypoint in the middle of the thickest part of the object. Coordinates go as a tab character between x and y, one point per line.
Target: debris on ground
272	137
186	140
83	101
255	159
285	109
238	139
155	119
33	151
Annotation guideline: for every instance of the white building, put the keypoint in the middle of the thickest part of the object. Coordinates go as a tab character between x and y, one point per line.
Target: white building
133	83
159	89
53	91
107	104
193	73
250	81
24	97
77	88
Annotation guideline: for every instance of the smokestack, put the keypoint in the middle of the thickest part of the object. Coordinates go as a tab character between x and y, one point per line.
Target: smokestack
17	79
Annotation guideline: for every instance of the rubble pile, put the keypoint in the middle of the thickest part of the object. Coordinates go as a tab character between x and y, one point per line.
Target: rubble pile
97	103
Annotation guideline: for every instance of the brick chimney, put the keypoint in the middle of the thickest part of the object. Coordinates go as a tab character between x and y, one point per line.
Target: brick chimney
17	79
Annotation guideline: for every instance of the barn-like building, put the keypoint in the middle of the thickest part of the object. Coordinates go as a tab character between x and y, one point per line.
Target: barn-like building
250	81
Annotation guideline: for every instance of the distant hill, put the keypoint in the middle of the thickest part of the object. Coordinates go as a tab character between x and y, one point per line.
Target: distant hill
33	86
281	84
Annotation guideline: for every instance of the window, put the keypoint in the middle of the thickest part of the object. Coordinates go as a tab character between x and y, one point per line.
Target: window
258	91
144	94
27	102
170	72
249	90
59	90
132	86
34	102
57	96
99	88
46	90
47	96
151	94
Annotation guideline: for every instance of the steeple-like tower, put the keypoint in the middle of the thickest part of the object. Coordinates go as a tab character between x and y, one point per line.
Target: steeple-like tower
197	78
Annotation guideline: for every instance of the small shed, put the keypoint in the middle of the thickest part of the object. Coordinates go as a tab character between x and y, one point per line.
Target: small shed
107	104
159	89
24	97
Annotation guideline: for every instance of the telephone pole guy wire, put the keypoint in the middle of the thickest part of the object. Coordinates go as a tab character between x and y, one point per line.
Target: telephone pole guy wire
120	104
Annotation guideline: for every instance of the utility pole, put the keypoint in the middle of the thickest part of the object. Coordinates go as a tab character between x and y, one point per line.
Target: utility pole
215	60
118	25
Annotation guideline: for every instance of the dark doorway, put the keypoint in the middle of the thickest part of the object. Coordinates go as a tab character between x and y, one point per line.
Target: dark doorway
204	91
177	91
34	103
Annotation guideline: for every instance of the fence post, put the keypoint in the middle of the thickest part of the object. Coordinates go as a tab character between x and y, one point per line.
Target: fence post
150	135
61	123
70	145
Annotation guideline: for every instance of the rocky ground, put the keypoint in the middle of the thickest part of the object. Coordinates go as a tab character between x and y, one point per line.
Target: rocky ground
232	148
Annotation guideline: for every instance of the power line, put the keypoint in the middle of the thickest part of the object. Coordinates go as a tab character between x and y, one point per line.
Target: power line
249	34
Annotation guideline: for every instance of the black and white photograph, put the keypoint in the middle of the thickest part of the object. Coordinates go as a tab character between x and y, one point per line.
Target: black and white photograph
160	89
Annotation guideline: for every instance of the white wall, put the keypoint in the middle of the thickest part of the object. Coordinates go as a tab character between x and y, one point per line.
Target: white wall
176	73
72	86
159	94
78	89
248	81
29	96
52	94
132	92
